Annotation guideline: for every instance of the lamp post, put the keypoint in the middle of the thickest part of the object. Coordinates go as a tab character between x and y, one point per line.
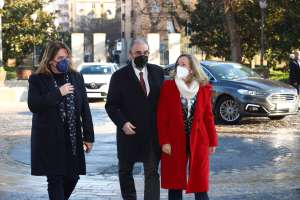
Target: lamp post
33	17
1	55
263	6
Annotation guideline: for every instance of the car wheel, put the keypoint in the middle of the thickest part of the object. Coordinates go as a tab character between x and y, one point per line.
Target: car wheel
276	117
228	111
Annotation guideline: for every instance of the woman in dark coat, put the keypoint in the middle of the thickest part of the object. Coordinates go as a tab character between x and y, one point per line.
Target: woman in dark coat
186	130
62	126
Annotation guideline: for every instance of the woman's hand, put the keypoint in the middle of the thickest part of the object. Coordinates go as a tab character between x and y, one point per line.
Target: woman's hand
87	146
166	148
212	150
66	89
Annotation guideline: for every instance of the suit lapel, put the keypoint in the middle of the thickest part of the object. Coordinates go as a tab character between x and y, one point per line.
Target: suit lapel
177	99
297	63
150	80
134	79
132	75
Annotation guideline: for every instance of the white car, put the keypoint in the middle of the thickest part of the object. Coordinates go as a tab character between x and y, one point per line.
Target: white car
97	77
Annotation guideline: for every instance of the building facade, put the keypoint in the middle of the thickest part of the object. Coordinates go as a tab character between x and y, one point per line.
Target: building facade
140	17
91	9
121	20
95	16
60	8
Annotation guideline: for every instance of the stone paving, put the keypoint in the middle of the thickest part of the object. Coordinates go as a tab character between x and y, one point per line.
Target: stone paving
262	163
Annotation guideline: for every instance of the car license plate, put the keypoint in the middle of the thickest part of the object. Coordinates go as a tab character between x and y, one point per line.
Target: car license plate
280	106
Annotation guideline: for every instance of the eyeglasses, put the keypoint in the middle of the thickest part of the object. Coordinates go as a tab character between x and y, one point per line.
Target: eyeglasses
140	53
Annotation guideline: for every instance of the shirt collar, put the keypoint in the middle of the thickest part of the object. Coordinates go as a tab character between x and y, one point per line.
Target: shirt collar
136	70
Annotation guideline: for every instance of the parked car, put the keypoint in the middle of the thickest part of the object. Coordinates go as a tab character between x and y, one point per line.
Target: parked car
96	78
240	92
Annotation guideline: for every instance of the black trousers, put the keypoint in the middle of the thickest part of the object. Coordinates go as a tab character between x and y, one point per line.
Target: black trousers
152	184
177	195
61	187
297	87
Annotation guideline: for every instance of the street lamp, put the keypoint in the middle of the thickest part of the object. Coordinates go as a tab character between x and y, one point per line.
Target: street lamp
1	55
263	6
34	18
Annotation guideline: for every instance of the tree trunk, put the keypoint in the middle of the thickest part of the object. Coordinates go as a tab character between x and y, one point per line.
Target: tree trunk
235	40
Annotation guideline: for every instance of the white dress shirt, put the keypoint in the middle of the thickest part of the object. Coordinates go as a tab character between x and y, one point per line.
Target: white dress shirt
145	76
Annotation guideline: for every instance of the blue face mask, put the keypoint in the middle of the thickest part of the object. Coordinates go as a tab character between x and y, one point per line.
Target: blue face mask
63	65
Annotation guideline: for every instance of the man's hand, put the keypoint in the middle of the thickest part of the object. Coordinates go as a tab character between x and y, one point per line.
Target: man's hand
128	128
166	148
87	146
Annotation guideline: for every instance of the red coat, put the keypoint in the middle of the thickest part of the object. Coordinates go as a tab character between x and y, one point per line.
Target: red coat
171	130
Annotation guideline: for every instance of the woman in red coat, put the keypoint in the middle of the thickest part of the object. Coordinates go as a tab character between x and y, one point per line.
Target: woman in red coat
186	130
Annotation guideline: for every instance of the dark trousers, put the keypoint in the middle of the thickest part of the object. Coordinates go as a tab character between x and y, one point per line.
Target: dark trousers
177	195
152	184
61	187
296	86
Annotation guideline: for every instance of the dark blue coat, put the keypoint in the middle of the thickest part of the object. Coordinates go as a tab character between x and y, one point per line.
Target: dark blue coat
126	101
294	77
48	145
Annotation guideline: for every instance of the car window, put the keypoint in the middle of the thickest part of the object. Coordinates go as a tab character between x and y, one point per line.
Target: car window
231	71
210	77
96	69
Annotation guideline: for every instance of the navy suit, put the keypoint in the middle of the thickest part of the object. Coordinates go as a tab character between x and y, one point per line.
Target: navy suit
294	77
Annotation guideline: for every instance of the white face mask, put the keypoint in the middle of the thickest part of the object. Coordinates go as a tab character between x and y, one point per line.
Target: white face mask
182	72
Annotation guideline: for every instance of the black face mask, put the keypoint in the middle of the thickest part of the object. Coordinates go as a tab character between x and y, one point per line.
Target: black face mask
141	61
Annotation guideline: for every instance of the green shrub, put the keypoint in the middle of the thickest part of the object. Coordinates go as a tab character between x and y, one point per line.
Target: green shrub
10	73
279	75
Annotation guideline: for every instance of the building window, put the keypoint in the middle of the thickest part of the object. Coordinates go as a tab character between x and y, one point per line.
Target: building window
123	34
123	16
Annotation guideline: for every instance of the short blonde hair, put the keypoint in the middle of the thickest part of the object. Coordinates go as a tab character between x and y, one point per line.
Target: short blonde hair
49	54
199	74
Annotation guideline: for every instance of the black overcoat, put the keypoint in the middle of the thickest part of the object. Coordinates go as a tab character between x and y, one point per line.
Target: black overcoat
48	145
294	77
127	102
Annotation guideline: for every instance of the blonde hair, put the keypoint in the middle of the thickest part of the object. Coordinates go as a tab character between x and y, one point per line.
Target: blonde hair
49	54
198	75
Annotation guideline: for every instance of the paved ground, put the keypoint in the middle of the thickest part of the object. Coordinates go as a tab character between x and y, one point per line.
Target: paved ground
259	159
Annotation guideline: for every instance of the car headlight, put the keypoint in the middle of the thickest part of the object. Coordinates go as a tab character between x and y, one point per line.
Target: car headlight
250	92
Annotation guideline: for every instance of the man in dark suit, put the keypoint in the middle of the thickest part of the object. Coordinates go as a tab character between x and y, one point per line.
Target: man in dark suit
131	105
294	77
